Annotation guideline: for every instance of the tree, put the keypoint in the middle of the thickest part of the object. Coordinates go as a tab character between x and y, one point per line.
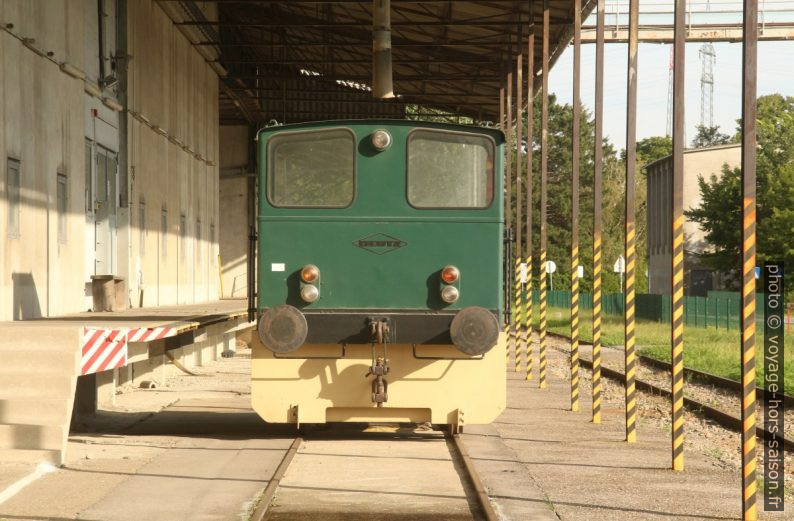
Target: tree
710	137
652	149
719	215
559	198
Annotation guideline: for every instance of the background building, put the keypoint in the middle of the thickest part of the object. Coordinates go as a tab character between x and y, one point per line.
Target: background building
702	162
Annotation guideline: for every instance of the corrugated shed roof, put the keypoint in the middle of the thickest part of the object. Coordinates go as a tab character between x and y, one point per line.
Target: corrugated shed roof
304	60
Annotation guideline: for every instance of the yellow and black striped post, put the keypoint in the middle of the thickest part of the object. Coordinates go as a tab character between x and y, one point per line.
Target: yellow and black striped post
597	176
508	202
577	44
528	242
677	214
749	57
544	157
519	314
519	296
629	358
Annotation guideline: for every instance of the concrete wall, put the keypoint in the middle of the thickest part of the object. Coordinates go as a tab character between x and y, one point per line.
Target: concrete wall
234	195
41	126
697	162
53	119
173	151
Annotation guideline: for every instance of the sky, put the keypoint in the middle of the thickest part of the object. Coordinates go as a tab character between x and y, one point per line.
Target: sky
775	75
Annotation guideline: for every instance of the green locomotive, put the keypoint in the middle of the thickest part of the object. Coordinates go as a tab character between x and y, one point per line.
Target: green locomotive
380	254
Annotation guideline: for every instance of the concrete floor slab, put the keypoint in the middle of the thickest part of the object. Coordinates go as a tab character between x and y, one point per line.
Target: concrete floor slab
11	474
588	472
191	451
195	479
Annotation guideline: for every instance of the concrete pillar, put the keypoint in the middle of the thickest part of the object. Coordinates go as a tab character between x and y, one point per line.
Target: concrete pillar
229	342
198	352
85	396
207	349
106	383
217	347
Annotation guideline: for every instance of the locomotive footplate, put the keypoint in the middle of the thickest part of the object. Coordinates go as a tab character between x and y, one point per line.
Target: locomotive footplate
379	331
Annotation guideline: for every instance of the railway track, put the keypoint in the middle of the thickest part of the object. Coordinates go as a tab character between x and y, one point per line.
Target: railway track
723	418
473	487
700	376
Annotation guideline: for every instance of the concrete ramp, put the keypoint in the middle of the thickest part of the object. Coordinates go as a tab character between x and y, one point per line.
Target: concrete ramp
38	371
41	360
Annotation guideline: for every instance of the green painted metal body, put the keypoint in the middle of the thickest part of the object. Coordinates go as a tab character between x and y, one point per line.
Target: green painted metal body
380	252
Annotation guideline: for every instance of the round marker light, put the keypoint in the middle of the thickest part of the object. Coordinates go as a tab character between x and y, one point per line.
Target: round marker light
450	294
310	273
381	140
450	274
310	293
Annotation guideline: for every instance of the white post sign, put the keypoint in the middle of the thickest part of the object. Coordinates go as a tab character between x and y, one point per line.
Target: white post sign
620	267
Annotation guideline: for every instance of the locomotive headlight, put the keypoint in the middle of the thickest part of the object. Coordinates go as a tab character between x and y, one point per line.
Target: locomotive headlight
381	140
450	274
310	293
450	294
309	274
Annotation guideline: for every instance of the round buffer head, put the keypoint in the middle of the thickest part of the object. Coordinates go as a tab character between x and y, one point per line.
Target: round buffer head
282	329
474	330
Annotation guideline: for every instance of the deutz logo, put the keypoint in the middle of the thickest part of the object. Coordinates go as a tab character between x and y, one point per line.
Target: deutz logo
379	243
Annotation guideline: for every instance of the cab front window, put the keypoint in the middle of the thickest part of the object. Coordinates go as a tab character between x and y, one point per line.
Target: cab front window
314	169
450	169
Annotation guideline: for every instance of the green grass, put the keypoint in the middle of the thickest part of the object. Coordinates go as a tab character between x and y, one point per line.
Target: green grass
706	349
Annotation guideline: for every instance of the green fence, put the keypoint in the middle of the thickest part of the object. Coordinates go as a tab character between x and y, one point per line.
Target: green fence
720	310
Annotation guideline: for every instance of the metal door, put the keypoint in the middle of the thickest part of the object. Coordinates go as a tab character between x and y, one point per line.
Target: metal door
105	212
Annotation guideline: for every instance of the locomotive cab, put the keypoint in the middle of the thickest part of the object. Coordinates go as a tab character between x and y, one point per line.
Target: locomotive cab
380	265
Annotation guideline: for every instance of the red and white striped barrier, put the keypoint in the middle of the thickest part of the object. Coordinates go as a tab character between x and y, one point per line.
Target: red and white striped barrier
104	349
149	334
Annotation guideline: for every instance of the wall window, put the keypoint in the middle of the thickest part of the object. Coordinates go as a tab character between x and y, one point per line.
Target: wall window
182	235
164	232
61	197
13	182
142	227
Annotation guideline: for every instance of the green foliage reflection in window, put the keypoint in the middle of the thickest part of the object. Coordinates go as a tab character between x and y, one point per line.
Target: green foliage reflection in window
449	170
312	169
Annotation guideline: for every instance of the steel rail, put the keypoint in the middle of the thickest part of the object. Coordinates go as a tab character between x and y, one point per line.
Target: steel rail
266	499
483	500
696	374
723	418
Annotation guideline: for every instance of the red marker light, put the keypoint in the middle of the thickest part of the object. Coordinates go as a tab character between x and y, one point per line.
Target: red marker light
450	274
310	273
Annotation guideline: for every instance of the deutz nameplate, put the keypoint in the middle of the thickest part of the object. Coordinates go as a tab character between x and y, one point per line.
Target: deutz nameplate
379	243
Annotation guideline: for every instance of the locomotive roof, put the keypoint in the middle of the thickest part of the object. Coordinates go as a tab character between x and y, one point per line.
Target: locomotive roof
493	132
